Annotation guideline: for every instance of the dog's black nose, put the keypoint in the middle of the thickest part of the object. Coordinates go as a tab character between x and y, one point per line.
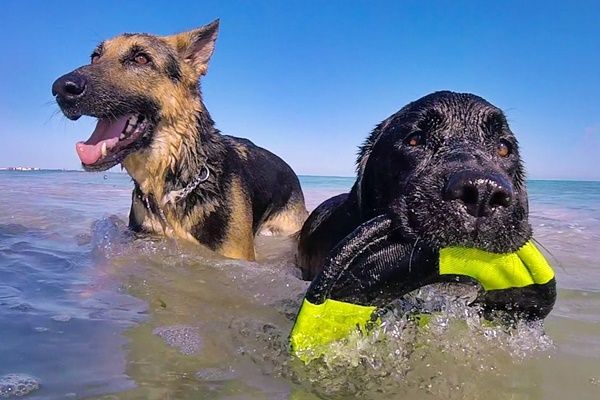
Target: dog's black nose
69	87
480	192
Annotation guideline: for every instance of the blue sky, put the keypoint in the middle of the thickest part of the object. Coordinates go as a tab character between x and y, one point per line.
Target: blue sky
309	79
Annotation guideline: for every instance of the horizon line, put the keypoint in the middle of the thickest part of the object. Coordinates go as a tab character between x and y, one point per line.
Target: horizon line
5	169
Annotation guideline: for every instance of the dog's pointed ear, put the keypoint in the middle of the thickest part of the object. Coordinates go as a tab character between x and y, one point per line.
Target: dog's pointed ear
197	45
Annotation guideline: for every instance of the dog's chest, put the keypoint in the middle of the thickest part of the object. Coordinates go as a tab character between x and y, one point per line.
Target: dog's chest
161	220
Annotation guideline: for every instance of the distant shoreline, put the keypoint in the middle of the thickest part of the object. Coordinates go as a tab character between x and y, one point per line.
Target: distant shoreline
36	169
29	169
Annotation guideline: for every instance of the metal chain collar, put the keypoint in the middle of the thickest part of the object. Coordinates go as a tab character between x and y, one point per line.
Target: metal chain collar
176	195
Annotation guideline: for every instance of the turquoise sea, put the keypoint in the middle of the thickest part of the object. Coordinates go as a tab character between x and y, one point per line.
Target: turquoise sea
86	313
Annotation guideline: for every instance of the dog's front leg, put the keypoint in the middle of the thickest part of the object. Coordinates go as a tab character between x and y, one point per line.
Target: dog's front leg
137	213
239	241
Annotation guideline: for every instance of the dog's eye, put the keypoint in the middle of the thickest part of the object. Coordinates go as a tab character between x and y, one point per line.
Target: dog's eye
503	148
415	139
95	57
141	59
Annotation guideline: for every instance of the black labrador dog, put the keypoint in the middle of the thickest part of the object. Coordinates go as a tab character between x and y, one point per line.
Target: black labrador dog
444	172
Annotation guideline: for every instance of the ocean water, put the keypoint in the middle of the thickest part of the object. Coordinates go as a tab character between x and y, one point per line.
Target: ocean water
87	313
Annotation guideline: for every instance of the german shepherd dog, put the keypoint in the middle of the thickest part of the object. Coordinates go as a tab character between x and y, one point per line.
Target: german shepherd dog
190	181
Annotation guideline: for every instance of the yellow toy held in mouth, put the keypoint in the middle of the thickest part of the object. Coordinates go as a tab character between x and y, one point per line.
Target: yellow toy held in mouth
522	281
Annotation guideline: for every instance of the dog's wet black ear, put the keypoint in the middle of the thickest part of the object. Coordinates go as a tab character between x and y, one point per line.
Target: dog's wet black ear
197	45
365	151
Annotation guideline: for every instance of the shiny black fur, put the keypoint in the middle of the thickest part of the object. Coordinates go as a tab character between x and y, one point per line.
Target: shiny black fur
458	136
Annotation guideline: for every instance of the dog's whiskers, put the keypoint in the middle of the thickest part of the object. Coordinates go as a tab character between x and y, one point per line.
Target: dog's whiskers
412	251
550	253
54	114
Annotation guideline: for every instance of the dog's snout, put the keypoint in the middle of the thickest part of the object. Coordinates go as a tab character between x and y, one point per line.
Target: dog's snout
69	87
479	192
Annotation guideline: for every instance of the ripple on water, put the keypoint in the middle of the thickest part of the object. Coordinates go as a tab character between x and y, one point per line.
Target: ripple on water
9	295
17	385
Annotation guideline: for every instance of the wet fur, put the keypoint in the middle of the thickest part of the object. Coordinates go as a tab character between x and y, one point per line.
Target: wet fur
461	133
249	191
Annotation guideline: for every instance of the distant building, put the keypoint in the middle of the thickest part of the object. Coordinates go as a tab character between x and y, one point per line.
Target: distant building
19	169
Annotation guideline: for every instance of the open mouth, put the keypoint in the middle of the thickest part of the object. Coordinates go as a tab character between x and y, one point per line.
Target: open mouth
112	140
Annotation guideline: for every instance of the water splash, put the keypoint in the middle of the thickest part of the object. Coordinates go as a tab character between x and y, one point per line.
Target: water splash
441	352
451	356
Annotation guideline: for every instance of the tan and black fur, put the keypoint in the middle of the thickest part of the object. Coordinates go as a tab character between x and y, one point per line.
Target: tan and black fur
249	190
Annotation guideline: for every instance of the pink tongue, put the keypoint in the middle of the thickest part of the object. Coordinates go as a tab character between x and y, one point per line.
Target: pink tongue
106	131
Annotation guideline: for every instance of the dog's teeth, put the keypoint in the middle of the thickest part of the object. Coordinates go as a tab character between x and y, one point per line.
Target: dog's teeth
122	136
129	128
104	149
133	120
